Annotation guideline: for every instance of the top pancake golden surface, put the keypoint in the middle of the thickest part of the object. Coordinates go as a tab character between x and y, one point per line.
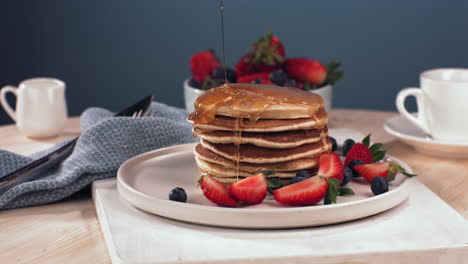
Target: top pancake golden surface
256	101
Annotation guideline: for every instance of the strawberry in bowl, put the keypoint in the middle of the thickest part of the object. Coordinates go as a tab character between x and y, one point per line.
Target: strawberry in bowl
264	63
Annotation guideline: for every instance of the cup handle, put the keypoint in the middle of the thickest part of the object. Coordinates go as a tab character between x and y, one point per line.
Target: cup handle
420	120
4	102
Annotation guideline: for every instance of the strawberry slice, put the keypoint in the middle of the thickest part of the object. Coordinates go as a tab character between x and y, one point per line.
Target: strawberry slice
359	152
216	191
251	190
306	192
330	166
202	65
249	78
370	171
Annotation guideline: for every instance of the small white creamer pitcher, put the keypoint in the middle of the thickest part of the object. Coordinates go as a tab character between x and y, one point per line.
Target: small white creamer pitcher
41	110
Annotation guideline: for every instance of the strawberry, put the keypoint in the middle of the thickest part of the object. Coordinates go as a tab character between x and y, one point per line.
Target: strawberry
330	166
249	78
244	66
266	82
386	170
267	55
202	65
251	190
359	152
216	191
370	171
307	70
306	192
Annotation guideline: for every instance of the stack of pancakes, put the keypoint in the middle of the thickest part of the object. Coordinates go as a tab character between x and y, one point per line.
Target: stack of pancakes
248	128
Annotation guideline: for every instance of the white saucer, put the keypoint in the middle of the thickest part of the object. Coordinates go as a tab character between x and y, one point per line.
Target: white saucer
146	180
403	129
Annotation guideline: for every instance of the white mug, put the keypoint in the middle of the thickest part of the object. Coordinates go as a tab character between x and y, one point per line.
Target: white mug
442	104
41	109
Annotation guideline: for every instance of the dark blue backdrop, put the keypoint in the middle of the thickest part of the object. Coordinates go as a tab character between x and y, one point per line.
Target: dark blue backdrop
112	52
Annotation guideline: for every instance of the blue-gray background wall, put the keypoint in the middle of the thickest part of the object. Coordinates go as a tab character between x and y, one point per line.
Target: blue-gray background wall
112	52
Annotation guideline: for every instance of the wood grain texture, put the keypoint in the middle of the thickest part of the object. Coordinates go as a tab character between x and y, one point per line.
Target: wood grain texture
68	231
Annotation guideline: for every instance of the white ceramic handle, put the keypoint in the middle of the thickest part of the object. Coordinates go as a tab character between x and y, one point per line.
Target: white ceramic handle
420	120
4	101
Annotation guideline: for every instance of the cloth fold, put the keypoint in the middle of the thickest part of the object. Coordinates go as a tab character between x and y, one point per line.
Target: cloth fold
105	143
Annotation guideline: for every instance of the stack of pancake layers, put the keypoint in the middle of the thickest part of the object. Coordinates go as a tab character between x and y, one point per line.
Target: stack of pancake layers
245	129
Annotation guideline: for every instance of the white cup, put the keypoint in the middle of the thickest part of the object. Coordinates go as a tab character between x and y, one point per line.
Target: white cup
442	104
41	109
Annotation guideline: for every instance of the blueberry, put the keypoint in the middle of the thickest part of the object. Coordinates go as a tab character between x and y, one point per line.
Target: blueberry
218	73
178	194
194	83
353	163
296	179
347	145
278	77
303	174
348	175
333	142
256	81
379	185
290	83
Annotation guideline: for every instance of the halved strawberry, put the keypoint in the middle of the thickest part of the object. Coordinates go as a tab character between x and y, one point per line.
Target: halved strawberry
330	166
249	78
216	191
306	192
370	171
359	152
202	64
251	190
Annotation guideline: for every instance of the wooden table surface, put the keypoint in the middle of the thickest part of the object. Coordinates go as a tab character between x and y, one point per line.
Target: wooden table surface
69	232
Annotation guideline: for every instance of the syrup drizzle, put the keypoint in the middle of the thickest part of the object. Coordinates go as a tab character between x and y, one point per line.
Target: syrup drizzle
221	8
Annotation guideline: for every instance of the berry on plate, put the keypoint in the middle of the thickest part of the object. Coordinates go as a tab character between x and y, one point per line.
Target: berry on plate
307	70
370	171
330	166
202	64
379	185
178	195
359	152
251	190
306	192
216	191
300	176
351	165
333	143
347	145
348	176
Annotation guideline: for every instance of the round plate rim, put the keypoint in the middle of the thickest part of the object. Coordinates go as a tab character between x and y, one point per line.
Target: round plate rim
184	147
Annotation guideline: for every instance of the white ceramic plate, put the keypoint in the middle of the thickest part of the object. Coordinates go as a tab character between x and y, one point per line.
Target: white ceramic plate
146	180
401	128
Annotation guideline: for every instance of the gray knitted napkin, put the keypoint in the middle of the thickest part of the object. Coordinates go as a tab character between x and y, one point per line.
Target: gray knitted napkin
106	142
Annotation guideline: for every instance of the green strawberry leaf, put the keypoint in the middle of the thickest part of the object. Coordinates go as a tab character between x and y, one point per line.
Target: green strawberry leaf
409	175
390	176
375	147
344	191
332	74
378	156
395	168
366	140
274	184
332	191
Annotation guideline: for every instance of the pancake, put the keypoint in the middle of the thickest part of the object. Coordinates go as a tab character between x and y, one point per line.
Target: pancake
255	101
292	165
225	123
221	171
254	154
285	139
229	180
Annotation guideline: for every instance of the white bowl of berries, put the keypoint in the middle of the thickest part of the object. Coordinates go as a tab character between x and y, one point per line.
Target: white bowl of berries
265	63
